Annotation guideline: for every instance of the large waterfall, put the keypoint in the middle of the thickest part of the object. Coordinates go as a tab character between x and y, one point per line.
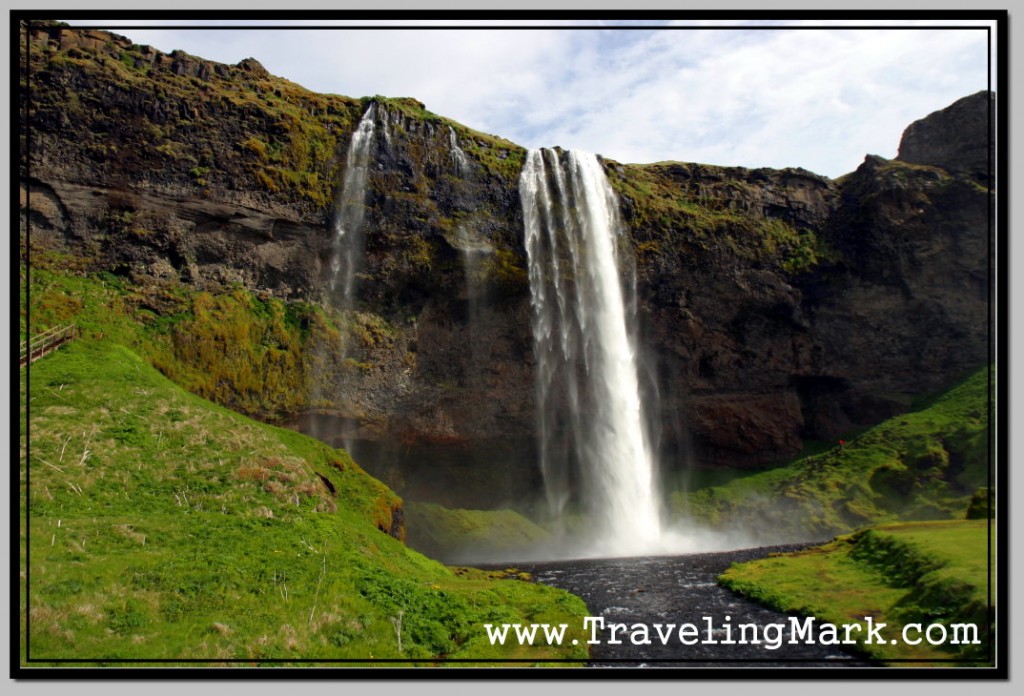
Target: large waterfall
595	455
351	209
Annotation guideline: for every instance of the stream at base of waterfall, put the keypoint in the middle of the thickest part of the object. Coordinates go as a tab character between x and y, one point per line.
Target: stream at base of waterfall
668	611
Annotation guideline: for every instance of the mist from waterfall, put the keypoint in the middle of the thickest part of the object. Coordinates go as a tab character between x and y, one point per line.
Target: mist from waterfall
595	455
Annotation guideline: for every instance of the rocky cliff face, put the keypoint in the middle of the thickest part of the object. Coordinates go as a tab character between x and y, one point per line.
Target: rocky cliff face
959	138
774	306
793	307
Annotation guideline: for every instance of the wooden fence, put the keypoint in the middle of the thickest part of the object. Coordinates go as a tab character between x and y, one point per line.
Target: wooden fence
46	342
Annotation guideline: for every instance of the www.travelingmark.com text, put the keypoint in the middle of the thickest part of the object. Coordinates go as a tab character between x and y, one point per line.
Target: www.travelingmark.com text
771	636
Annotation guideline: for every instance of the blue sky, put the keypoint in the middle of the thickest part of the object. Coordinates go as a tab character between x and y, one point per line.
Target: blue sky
754	95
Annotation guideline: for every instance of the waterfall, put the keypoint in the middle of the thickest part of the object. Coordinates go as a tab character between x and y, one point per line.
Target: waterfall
594	452
458	156
351	209
346	257
386	118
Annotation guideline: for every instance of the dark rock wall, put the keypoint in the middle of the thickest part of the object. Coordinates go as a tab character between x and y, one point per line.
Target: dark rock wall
774	306
905	310
959	138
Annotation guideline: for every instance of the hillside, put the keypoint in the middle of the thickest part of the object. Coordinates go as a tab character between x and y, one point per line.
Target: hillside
905	576
161	526
927	464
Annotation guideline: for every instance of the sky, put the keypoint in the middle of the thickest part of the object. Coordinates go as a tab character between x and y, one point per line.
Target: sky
779	94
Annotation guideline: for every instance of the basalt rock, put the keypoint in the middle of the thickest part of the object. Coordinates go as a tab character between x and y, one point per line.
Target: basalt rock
959	138
773	305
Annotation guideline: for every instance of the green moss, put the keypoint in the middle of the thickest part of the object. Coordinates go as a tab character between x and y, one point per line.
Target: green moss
230	352
673	208
452	533
256	146
302	132
255	356
923	573
369	330
405	105
906	171
506	271
982	505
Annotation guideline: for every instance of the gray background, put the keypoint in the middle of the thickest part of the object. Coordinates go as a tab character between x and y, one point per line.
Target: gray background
598	684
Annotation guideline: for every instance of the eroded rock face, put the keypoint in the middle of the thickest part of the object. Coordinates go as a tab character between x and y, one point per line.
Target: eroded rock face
905	311
149	237
774	306
959	138
751	357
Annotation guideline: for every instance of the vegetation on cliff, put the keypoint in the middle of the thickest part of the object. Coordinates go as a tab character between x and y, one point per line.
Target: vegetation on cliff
500	157
925	464
758	216
257	356
165	527
178	121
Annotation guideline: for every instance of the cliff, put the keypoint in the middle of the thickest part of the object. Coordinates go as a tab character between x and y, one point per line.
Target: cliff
774	305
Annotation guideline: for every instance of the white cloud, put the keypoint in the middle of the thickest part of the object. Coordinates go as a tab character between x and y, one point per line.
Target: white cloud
816	98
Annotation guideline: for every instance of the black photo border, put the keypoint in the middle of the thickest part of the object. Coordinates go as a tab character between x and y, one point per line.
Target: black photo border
21	140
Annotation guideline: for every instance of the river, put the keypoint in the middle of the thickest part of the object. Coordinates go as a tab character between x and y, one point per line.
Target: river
677	590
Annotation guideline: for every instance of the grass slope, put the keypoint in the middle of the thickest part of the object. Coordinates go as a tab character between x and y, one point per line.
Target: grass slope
456	535
917	466
256	356
914	573
163	526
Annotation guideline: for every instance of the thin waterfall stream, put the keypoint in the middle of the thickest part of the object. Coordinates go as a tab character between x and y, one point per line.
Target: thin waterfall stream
346	255
458	156
351	206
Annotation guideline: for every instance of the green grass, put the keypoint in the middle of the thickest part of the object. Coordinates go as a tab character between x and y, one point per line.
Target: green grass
459	534
916	466
912	573
163	526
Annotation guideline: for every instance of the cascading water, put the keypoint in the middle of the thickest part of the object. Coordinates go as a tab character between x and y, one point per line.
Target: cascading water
346	256
351	209
458	156
591	425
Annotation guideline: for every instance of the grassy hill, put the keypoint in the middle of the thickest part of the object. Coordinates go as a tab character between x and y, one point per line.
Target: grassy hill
455	535
923	465
913	573
161	526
